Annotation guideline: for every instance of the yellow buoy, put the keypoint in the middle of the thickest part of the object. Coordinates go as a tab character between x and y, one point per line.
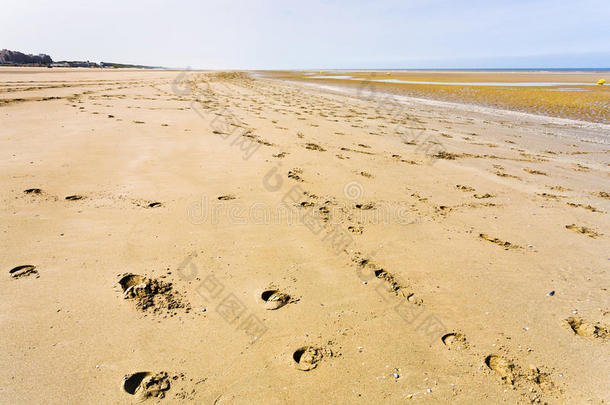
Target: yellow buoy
601	81
388	73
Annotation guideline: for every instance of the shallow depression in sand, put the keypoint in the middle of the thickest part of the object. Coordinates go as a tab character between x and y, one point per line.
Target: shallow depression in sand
501	366
132	382
307	357
131	280
23	271
274	299
145	384
454	341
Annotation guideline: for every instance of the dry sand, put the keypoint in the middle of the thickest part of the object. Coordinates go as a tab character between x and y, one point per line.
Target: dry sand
423	253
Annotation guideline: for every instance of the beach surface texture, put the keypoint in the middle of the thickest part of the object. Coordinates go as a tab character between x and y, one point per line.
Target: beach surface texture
248	238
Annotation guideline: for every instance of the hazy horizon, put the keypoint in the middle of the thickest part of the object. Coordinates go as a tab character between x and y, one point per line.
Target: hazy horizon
317	35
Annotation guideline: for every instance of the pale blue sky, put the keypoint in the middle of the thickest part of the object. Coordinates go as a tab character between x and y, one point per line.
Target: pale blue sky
277	34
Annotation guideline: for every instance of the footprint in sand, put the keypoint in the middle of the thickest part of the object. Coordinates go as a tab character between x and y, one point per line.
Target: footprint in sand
502	367
583	328
295	174
74	197
392	283
151	293
357	229
154	204
538	172
455	341
499	242
587	207
446	155
274	299
308	357
313	146
227	197
146	385
540	378
583	230
129	281
365	206
464	188
24	271
502	174
538	381
602	194
395	287
33	191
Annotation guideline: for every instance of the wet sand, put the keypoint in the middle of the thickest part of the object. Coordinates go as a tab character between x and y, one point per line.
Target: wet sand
213	238
565	94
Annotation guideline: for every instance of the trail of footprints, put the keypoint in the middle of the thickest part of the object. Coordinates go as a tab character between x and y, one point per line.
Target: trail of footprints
39	193
393	285
159	297
533	382
308	357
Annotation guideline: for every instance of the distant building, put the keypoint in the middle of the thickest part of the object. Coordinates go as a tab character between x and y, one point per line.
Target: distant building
80	64
75	64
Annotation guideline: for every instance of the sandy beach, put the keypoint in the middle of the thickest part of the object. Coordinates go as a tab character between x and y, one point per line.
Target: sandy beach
246	238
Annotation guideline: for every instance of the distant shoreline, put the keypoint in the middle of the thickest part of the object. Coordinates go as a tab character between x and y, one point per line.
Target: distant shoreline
561	94
498	70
